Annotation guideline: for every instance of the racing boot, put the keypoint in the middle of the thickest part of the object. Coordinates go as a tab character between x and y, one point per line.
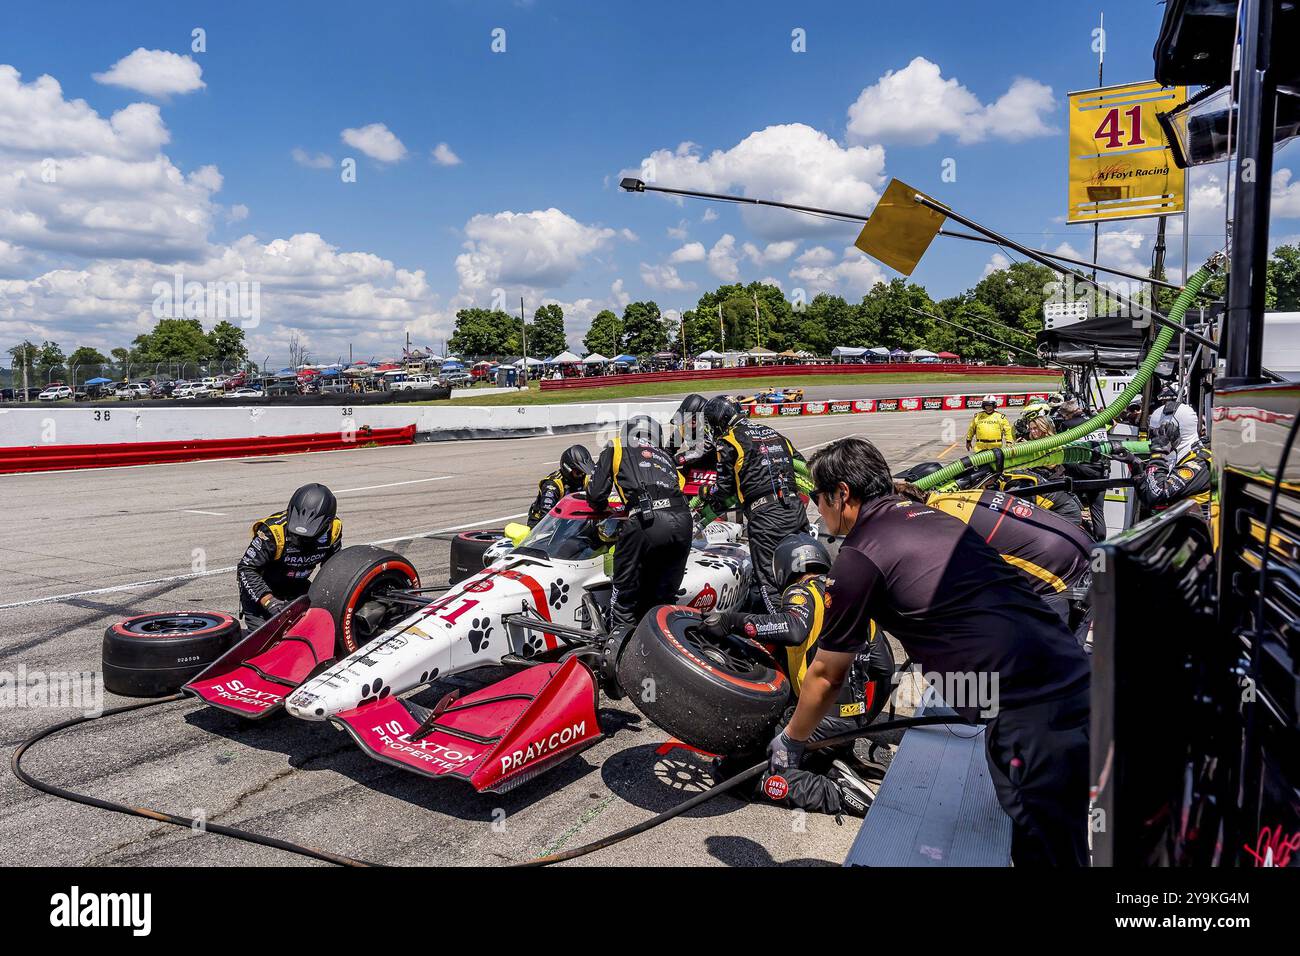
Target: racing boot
855	795
610	650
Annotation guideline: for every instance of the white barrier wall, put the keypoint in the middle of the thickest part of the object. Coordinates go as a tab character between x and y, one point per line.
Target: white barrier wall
71	425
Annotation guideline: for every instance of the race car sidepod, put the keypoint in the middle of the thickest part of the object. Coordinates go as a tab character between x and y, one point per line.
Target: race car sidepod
494	738
253	678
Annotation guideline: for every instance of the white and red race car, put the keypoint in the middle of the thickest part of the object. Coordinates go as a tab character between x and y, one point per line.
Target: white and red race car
368	637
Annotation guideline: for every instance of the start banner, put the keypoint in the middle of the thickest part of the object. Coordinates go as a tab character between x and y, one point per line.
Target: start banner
918	403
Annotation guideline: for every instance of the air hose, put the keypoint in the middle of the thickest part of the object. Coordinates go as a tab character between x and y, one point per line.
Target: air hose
1033	450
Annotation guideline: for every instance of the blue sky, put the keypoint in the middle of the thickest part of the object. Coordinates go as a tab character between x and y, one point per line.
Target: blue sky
203	179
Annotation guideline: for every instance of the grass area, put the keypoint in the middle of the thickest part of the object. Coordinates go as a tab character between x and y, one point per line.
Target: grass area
743	386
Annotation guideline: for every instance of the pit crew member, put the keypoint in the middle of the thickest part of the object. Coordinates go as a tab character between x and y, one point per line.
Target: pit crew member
286	548
654	540
962	613
1168	477
756	467
826	783
575	467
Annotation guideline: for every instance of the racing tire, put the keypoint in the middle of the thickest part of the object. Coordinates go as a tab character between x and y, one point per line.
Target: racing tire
467	550
722	696
346	581
153	655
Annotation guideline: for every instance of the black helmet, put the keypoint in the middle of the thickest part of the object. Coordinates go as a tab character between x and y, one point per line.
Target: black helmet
798	554
310	511
641	430
1166	435
576	464
692	404
721	413
917	472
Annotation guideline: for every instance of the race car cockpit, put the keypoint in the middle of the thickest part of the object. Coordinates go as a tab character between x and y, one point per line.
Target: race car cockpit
573	531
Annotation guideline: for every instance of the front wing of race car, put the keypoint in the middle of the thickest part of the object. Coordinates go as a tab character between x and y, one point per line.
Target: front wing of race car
494	738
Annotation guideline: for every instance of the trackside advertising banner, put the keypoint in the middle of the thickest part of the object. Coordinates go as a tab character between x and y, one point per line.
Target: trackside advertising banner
923	403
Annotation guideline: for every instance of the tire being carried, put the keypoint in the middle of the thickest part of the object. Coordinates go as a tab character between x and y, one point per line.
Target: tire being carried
349	585
467	550
724	696
153	655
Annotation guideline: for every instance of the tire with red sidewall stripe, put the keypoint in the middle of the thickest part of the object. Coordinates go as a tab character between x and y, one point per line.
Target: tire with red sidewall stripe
467	550
724	696
346	581
152	655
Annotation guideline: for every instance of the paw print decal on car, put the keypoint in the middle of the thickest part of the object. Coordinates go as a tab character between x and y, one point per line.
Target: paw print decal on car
480	631
559	594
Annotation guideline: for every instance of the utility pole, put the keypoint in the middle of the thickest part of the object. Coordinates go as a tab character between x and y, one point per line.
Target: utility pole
722	329
1101	71
758	328
523	334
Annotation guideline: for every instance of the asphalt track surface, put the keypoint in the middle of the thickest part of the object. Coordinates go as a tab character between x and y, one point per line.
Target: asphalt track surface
84	549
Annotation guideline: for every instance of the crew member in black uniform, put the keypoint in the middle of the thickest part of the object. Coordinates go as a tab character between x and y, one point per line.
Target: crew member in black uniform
286	548
1166	477
756	467
1093	502
690	442
826	783
655	538
966	616
575	467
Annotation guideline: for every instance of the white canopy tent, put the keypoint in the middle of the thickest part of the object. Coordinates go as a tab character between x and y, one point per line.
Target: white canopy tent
711	355
531	361
564	358
595	358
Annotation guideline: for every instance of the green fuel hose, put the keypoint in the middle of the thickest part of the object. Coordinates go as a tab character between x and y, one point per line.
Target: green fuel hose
1031	451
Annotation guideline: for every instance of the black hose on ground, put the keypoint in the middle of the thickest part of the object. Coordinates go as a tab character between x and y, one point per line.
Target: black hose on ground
148	813
718	789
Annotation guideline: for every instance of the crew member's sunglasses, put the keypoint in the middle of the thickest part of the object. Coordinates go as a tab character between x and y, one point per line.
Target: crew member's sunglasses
816	496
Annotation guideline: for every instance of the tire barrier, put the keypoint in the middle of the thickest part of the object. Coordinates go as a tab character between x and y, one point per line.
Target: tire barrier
793	371
55	457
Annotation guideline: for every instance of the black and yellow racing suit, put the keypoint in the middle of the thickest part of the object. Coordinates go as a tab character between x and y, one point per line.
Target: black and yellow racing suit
1053	552
795	630
1159	485
280	564
756	468
549	492
654	540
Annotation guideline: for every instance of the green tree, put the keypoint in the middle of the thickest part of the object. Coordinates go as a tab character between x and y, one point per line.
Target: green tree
605	335
173	340
892	310
644	331
227	342
85	363
546	332
1017	293
486	332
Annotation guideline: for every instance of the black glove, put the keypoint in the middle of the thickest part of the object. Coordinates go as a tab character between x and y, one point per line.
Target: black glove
716	624
784	753
274	606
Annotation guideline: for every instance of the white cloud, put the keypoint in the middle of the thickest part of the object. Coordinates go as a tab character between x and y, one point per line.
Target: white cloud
816	256
723	260
917	105
542	249
238	213
443	156
154	73
375	140
791	163
1286	196
691	252
73	182
664	278
1000	262
854	274
678	231
311	160
709	216
773	252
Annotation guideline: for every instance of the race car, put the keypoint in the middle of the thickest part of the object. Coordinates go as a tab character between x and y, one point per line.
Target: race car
775	396
367	636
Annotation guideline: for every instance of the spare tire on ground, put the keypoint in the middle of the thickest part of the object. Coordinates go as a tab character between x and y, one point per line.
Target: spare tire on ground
153	655
350	584
467	550
724	696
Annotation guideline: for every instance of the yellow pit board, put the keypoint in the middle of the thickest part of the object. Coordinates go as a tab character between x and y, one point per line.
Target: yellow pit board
1120	163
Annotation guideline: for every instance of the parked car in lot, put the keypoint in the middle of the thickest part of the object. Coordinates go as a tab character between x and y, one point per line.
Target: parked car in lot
243	393
453	379
412	382
55	393
191	390
136	390
282	388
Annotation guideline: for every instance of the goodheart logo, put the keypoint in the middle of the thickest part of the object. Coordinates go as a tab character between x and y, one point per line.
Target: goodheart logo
706	600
